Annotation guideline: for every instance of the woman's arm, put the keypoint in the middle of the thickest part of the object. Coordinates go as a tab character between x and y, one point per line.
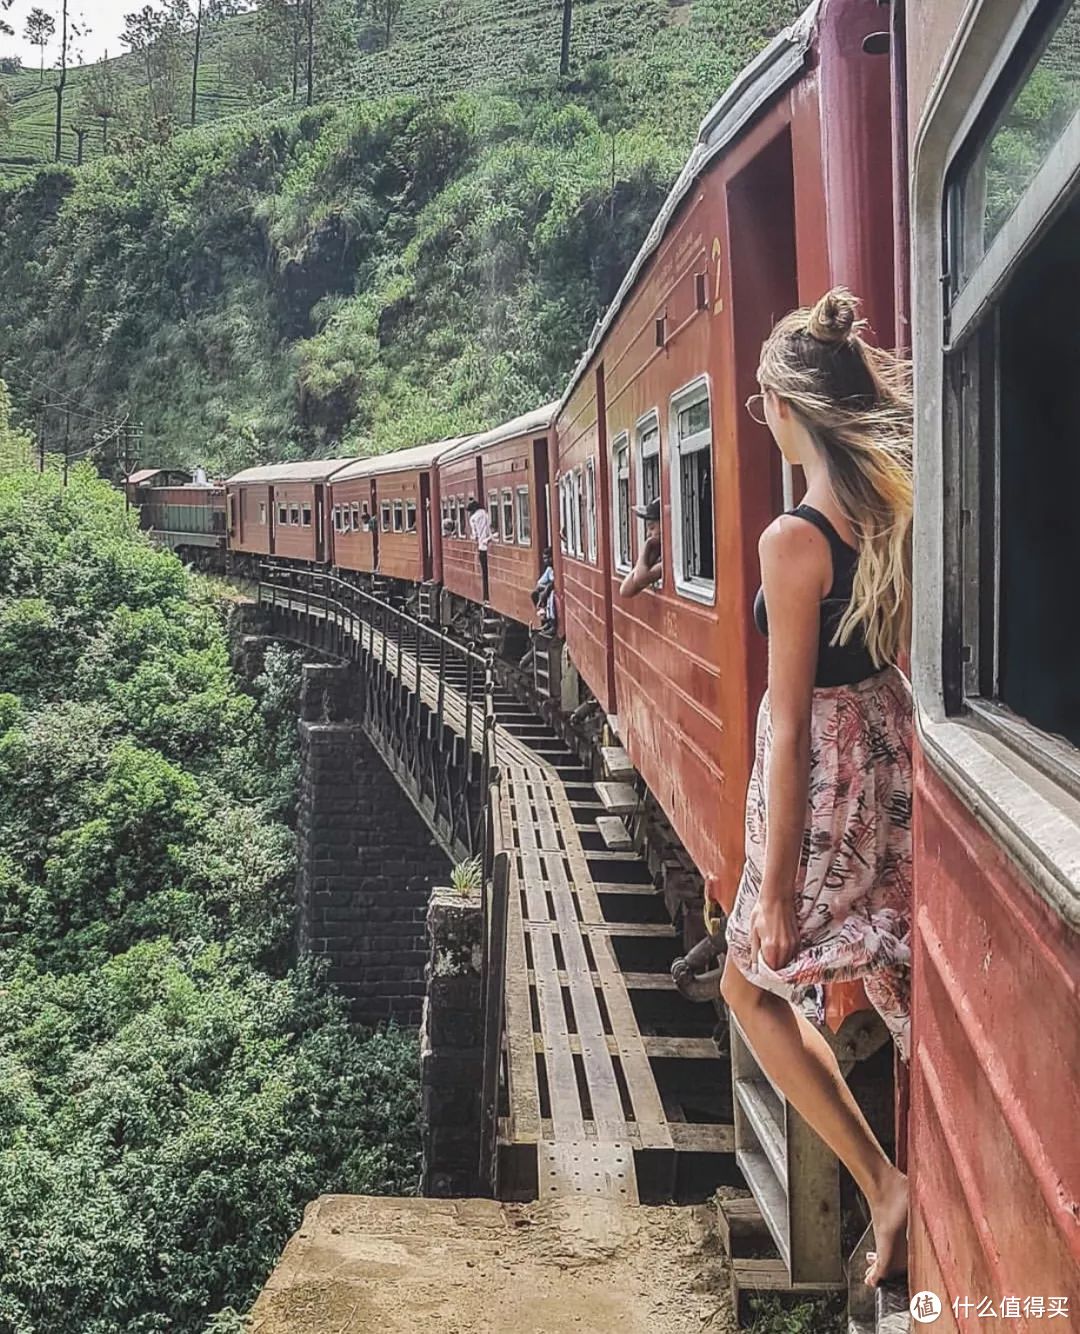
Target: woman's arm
795	571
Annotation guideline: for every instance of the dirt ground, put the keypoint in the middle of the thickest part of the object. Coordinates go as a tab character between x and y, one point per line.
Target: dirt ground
405	1266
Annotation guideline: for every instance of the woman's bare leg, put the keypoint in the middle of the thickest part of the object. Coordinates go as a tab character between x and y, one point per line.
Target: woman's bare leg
804	1067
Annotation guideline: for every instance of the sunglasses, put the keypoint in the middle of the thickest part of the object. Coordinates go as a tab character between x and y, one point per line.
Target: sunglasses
755	406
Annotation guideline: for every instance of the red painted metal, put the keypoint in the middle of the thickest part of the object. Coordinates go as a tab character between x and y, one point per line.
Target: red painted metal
995	1104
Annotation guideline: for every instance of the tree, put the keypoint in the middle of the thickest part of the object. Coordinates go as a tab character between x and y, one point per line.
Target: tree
6	30
387	12
158	36
39	31
567	30
101	96
280	26
62	84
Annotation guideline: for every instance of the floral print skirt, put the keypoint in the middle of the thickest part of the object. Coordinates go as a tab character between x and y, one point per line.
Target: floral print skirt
853	888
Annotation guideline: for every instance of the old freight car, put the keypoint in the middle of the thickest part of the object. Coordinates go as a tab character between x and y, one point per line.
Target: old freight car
993	1147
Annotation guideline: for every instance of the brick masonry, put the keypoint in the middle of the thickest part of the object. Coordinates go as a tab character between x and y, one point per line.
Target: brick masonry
367	861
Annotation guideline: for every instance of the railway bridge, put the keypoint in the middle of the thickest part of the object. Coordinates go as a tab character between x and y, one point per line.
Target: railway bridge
597	1080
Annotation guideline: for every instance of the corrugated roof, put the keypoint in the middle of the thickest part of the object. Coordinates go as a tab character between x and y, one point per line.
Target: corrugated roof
144	474
756	85
306	470
537	420
398	460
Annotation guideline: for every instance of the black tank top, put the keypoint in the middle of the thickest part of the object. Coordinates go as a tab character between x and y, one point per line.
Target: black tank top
837	664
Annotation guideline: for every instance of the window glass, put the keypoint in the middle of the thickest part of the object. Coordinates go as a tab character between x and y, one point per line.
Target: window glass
307	516
262	511
294	514
399	516
385	515
493	511
508	514
649	460
524	518
462	518
282	514
693	487
622	503
1009	153
591	545
355	518
410	516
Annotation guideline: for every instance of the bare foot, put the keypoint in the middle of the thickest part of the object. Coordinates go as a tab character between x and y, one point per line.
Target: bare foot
889	1214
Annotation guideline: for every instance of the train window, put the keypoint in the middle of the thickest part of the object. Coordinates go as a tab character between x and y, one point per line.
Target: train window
306	516
354	517
591	545
294	515
399	516
1027	132
1012	213
562	515
493	511
507	515
692	492
262	511
410	516
282	514
384	514
365	515
648	458
524	518
337	518
621	501
462	518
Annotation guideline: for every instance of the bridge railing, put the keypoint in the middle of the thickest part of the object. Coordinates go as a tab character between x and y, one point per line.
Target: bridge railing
440	742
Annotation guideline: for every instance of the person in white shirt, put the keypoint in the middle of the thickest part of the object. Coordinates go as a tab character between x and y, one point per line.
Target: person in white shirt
481	531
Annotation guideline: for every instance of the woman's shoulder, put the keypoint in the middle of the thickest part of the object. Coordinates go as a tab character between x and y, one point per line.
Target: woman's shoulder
796	552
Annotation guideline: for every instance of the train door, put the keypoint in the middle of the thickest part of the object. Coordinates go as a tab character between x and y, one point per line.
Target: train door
764	285
425	526
540	489
271	505
320	525
376	525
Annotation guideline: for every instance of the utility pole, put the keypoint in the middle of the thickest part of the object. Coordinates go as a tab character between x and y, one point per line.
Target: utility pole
67	442
63	79
310	52
195	63
567	27
41	435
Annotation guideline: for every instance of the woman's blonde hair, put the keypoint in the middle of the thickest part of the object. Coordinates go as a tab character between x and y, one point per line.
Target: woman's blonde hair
855	400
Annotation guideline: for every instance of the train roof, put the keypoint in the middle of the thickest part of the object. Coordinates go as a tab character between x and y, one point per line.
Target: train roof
398	460
770	71
528	423
306	470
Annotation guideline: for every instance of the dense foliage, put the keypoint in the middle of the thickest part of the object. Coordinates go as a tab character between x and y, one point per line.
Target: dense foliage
171	1094
369	273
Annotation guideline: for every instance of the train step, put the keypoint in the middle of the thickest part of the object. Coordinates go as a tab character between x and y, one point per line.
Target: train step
617	798
881	1310
616	764
614	833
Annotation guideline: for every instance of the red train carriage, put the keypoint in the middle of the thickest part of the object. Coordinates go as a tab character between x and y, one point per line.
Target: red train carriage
280	510
506	468
788	190
995	1104
382	514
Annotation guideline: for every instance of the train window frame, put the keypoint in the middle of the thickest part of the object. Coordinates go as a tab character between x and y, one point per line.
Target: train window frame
305	516
410	516
699	390
509	529
1019	783
356	520
384	516
592	545
462	518
622	551
336	518
399	516
294	516
282	514
523	517
494	513
564	545
262	512
646	426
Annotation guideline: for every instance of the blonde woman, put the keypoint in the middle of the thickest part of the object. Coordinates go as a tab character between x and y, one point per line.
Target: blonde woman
825	893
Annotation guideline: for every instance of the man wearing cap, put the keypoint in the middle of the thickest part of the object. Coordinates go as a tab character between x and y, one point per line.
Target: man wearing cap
649	569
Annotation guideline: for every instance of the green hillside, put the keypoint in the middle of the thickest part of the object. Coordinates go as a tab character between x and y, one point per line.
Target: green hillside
388	267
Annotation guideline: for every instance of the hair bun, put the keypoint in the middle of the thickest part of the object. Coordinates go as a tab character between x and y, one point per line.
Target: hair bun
834	318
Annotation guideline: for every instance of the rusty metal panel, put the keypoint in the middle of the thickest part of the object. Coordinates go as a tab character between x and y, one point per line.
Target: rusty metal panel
994	1151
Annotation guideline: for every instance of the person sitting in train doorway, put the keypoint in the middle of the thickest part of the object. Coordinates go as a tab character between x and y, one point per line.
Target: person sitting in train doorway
649	569
825	893
543	595
480	525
